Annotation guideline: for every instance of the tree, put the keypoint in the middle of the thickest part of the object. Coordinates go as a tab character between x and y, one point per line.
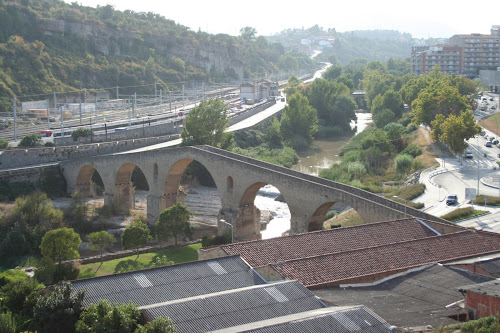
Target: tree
99	240
299	119
174	221
135	235
332	73
206	125
59	310
36	210
273	135
248	33
105	317
61	244
457	129
157	325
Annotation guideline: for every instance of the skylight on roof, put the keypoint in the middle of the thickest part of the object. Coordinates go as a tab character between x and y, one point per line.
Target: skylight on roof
346	322
216	267
276	294
142	280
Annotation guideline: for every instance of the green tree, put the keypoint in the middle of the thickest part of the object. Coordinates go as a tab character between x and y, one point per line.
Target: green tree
99	240
344	111
61	244
135	235
36	210
7	323
157	325
248	33
332	73
105	317
58	310
383	117
174	221
299	119
457	129
273	135
81	132
206	125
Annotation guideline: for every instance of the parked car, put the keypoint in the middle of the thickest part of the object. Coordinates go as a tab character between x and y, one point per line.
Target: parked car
491	138
488	144
492	99
452	200
483	133
493	107
495	142
468	154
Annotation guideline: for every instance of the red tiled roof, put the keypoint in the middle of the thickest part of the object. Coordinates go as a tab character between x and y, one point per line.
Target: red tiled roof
263	252
330	268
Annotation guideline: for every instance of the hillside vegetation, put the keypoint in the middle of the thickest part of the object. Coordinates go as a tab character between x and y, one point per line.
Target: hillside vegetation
48	45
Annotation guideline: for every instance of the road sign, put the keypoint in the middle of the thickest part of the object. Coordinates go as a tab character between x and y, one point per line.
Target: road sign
470	193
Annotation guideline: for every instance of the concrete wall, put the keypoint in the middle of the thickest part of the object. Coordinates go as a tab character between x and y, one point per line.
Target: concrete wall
32	175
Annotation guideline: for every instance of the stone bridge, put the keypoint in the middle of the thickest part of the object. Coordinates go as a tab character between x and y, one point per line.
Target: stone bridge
238	179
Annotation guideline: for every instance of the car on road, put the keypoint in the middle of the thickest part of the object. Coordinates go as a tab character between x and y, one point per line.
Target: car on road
452	200
495	142
488	144
493	107
492	99
483	133
468	154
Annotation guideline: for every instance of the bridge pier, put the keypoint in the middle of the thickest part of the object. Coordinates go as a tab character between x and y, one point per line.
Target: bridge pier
86	189
248	223
124	196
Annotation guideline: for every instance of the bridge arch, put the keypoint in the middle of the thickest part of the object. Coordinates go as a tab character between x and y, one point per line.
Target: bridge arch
248	217
84	183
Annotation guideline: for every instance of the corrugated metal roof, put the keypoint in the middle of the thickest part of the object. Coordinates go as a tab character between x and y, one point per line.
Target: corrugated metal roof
327	320
236	307
415	299
163	284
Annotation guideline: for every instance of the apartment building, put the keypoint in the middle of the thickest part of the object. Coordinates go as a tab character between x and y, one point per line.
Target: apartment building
479	52
425	58
462	55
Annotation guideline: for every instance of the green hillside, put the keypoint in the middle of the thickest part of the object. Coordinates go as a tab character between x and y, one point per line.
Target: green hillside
48	45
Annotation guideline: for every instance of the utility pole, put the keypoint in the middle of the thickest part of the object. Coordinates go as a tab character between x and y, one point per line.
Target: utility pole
48	113
15	118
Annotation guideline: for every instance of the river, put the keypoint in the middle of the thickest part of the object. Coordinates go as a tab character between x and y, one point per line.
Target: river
325	154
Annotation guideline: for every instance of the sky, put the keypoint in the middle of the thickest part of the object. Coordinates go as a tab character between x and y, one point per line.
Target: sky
422	18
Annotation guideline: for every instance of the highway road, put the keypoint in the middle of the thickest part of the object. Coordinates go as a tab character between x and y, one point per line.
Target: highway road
457	173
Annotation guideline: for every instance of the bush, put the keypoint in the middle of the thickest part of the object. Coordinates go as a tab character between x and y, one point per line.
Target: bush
81	132
403	163
31	140
4	144
412	150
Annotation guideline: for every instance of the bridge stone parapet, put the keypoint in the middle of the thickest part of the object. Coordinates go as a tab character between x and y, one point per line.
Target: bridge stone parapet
17	158
238	180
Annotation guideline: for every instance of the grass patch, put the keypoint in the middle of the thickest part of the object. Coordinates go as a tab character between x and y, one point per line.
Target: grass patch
429	155
492	201
491	123
346	219
463	213
176	255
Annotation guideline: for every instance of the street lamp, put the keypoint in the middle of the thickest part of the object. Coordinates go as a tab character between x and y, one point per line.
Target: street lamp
232	229
395	196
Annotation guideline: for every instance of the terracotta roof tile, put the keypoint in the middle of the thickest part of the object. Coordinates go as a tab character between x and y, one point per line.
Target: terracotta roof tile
263	252
330	268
